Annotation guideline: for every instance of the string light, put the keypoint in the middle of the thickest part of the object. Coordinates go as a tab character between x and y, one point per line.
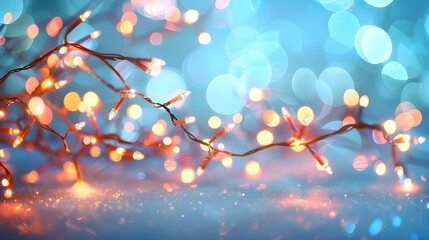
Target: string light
76	127
178	98
186	120
322	162
84	16
115	109
58	85
153	66
10	131
288	118
223	131
20	138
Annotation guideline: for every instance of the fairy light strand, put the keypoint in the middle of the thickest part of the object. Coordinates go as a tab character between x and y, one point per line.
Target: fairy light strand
151	66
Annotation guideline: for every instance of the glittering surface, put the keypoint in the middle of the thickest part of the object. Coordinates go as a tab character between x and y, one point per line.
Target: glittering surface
216	211
242	60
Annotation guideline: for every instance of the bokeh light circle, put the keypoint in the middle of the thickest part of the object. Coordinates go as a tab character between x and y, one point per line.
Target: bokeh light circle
268	44
342	27
155	9
223	95
2	31
304	84
379	3
427	24
336	5
394	75
414	93
81	31
338	80
19	28
253	69
10	10
375	227
290	35
240	38
373	44
201	6
168	84
202	65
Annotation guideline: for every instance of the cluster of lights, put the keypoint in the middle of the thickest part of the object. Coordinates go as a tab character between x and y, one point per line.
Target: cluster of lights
60	57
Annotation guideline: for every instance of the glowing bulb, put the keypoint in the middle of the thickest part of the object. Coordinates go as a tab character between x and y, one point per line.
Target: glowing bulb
90	112
60	84
47	83
79	125
154	67
322	163
178	98
200	171
329	170
285	112
120	150
2	114
306	120
296	142
112	114
129	93
17	141
288	118
95	34
399	171
63	50
20	138
84	16
400	138
14	131
77	61
186	120
115	109
229	127
402	142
